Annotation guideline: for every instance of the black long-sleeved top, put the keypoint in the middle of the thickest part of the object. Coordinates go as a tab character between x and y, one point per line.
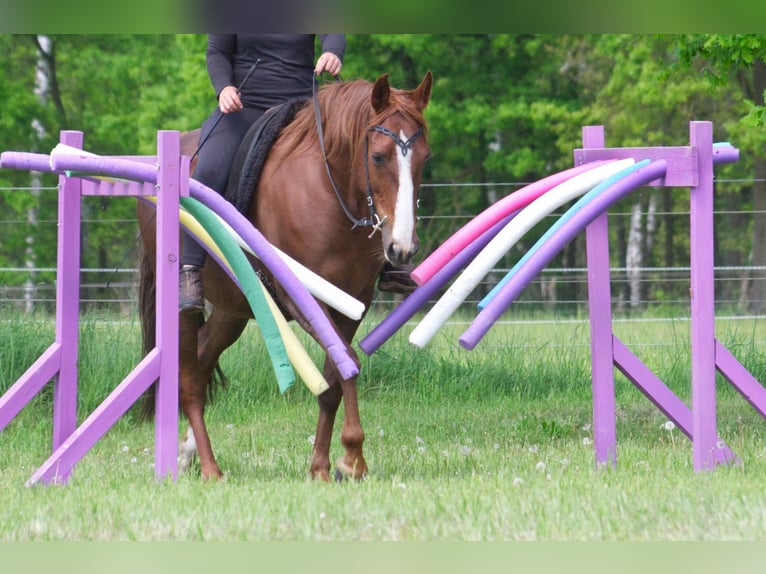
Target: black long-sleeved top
284	71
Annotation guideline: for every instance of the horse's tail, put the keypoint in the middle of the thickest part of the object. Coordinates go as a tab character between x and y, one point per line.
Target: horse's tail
148	316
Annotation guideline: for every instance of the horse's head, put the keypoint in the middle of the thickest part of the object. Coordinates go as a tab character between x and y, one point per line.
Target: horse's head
397	150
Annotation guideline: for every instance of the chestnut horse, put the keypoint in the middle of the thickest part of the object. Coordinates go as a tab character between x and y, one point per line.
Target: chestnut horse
322	197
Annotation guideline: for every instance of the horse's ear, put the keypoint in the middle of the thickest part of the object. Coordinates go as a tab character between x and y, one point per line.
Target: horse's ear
380	94
422	93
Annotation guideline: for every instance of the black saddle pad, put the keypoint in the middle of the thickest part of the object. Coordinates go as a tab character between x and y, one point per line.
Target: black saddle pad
252	152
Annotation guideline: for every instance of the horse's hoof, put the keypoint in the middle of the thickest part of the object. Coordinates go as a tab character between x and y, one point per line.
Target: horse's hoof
358	471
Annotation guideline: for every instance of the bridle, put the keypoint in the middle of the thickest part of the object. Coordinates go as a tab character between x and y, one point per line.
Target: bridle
374	220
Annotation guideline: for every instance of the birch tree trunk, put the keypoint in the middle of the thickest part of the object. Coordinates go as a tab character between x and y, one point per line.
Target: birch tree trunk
634	256
42	83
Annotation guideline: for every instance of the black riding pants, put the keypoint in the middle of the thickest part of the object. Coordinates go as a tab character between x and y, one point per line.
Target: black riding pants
221	135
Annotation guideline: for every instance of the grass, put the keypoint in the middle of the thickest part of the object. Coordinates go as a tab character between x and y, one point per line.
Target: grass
495	444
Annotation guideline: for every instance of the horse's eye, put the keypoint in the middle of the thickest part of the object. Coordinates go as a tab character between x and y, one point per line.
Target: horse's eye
379	159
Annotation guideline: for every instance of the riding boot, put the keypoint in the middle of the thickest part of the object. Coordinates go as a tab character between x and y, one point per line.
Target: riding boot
190	298
396	279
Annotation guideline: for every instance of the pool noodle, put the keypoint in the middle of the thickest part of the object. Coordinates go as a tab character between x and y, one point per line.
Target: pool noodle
250	287
337	349
296	352
317	285
579	221
585	199
490	216
415	300
503	241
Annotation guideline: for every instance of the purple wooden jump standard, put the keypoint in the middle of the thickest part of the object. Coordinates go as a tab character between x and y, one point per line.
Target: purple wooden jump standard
59	361
689	166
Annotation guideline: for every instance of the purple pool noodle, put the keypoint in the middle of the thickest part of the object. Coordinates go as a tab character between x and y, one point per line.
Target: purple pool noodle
25	161
420	296
333	344
335	347
484	320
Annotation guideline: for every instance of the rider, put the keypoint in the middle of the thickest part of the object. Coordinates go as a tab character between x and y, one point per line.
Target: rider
250	74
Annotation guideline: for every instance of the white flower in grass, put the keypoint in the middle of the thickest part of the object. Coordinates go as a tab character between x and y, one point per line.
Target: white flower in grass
668	426
533	448
445	452
419	440
517	481
322	515
125	448
421	449
720	445
230	426
465	450
496	446
381	433
312	439
540	466
586	427
134	460
587	441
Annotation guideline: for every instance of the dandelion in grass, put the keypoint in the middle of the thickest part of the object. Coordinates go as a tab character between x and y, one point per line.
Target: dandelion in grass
670	427
312	439
125	448
587	441
517	481
465	450
533	449
381	433
540	466
586	427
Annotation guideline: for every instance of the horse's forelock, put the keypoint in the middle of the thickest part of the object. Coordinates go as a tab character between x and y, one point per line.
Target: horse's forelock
347	115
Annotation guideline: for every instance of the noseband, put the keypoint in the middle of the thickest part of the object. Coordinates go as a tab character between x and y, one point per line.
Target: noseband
374	220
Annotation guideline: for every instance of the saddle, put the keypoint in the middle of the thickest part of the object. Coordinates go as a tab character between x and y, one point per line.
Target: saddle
253	151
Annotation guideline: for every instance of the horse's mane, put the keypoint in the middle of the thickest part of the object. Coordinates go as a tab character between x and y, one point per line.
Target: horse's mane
347	114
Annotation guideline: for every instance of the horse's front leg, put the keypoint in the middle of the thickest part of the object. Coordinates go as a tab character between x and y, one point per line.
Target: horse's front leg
351	435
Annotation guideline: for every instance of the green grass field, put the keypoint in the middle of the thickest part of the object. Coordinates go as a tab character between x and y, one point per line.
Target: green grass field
492	444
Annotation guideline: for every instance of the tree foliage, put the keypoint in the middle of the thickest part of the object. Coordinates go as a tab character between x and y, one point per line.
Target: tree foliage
504	109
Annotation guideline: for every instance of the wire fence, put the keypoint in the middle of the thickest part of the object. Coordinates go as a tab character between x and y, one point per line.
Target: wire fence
558	293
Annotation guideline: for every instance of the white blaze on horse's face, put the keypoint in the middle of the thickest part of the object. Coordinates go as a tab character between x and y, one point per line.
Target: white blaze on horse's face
404	211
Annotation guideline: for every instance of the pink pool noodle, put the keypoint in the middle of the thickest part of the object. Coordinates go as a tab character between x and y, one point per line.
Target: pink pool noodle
579	221
491	215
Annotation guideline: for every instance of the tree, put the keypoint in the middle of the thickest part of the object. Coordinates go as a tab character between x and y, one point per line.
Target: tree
740	60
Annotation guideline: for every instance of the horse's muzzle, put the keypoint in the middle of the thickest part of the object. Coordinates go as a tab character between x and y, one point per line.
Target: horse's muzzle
397	255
